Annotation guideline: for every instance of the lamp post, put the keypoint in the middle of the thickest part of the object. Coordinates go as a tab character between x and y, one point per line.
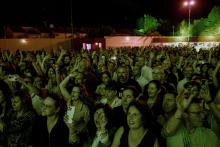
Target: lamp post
188	4
71	17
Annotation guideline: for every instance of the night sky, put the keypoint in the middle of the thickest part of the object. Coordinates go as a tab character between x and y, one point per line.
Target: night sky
94	13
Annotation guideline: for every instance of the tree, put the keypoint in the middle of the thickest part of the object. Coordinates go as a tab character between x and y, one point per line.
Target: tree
146	25
183	29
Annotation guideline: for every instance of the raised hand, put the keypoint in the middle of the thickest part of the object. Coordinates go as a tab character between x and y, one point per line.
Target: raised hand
184	99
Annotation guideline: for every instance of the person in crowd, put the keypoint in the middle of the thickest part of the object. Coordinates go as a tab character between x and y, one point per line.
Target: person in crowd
106	79
186	126
213	104
139	131
124	79
50	130
102	129
78	113
168	107
187	72
111	96
153	94
18	122
5	107
128	95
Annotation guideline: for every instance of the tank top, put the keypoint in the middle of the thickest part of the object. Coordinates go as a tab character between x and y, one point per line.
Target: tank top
147	141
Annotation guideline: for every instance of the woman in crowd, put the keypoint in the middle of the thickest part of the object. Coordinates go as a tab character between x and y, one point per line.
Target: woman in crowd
50	130
105	78
5	106
139	131
78	113
19	121
102	130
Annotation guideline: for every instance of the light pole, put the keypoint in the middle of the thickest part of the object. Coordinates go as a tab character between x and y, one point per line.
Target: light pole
188	4
71	17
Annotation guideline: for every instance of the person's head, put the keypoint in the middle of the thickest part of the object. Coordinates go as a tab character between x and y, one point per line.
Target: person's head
188	71
51	73
79	78
21	101
123	74
84	65
158	73
111	90
129	94
192	88
166	64
66	60
136	70
152	89
38	82
139	61
194	115
106	77
138	115
169	102
53	105
75	93
102	117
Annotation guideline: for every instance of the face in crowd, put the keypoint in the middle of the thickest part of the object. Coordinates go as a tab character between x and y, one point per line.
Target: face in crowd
100	118
75	93
169	102
127	98
123	74
49	107
17	103
152	90
195	115
134	118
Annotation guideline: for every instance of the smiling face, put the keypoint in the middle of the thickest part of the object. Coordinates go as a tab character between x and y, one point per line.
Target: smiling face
100	118
134	118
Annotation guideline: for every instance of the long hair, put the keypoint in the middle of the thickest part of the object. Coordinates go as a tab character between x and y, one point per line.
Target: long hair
142	107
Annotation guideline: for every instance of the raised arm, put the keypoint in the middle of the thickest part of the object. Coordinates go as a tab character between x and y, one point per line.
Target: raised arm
63	89
205	94
174	122
117	138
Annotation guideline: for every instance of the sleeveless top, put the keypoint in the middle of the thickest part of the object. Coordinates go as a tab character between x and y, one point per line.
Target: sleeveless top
147	141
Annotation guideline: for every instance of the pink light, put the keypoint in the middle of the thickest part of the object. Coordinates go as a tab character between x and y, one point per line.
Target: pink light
192	2
189	3
186	3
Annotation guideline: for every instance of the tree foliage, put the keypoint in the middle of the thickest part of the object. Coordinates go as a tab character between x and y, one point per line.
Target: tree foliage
147	24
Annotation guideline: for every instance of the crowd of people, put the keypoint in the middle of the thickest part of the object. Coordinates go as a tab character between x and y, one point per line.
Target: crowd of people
156	96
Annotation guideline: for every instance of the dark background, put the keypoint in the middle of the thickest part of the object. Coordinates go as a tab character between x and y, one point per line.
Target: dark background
94	13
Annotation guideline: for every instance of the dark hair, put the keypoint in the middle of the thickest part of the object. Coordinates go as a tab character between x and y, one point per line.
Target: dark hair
158	86
59	103
192	83
133	89
112	86
25	98
108	113
5	90
144	110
